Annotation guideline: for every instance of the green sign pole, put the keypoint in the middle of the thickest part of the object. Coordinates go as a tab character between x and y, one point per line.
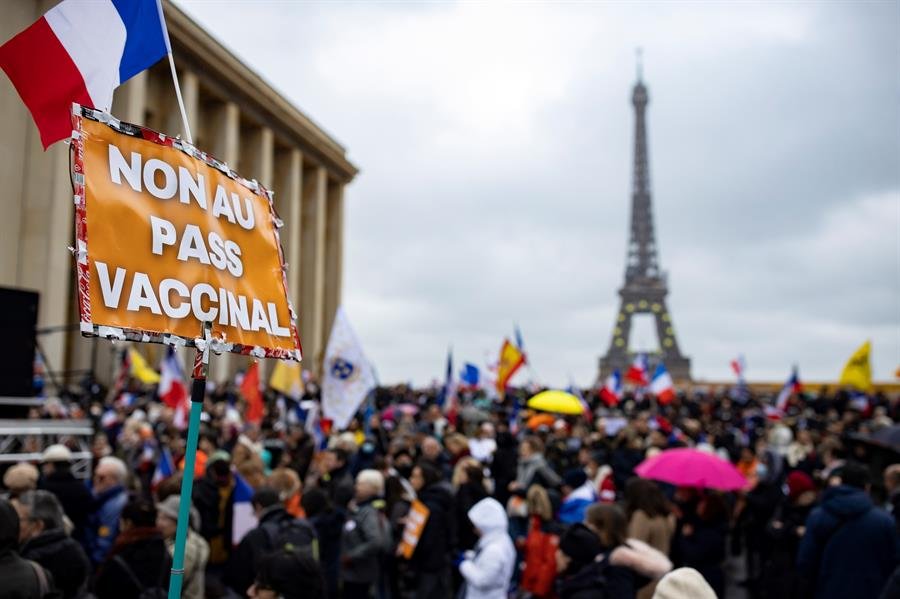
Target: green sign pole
198	392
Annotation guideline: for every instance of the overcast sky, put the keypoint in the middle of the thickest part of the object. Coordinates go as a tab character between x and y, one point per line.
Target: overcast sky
495	148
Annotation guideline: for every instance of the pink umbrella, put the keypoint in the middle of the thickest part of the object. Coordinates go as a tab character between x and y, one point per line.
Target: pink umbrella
692	468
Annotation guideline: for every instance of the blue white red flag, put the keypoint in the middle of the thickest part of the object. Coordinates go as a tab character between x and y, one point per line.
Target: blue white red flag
173	390
661	385
637	372
243	517
470	375
80	52
164	469
611	393
791	387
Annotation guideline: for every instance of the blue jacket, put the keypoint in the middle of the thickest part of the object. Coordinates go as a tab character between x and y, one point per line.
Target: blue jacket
103	523
850	547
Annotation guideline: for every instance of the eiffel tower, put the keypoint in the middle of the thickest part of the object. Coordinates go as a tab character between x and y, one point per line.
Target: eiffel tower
646	285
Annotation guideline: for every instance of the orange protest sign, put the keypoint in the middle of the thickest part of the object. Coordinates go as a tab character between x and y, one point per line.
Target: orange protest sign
169	238
412	532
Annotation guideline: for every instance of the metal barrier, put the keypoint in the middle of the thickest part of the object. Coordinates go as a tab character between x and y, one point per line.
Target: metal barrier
25	440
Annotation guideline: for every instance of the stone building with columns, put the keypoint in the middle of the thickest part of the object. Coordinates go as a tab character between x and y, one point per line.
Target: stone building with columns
236	116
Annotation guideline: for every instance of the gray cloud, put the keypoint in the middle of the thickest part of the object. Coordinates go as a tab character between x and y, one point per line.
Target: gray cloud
495	147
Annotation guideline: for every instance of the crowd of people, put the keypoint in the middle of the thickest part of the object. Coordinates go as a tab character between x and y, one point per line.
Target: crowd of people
475	498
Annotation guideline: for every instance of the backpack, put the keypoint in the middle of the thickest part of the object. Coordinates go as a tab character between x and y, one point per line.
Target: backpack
155	592
291	534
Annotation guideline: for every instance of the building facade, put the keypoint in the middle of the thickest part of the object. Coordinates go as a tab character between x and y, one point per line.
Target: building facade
234	115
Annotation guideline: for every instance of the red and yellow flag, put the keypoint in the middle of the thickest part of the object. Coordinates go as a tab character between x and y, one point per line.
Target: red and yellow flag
511	359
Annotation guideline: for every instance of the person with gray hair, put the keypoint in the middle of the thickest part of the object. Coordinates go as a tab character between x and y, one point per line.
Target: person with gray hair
366	537
110	498
43	539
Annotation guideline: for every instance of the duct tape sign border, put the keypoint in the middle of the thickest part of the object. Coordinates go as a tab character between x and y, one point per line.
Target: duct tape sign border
163	235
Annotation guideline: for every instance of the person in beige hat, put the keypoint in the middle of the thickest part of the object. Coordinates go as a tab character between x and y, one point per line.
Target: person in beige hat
196	549
20	478
683	583
58	478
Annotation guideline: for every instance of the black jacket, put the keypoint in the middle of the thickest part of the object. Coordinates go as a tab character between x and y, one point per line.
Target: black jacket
18	577
467	496
438	538
339	486
145	553
74	496
598	580
329	525
255	544
206	500
63	557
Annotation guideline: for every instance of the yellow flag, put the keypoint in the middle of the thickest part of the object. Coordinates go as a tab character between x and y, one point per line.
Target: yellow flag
140	369
511	359
858	373
286	379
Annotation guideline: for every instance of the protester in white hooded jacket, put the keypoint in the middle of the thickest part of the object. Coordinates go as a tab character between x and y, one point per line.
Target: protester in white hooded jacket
487	573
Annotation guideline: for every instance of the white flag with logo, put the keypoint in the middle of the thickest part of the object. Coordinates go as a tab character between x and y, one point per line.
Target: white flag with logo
347	376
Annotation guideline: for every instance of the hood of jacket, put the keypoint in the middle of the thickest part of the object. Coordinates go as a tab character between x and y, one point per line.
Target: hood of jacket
845	502
641	558
488	516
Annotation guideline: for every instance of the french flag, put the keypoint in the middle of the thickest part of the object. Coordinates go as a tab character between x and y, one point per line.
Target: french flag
164	469
172	388
637	373
243	518
80	51
661	385
470	376
792	386
611	393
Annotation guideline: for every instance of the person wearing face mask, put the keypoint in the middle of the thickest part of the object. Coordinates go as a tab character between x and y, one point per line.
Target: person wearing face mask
43	539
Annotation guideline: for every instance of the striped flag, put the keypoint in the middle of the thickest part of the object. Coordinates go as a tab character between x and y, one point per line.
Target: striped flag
243	517
164	469
80	52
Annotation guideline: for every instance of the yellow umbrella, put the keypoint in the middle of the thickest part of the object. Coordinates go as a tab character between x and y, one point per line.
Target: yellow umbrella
558	402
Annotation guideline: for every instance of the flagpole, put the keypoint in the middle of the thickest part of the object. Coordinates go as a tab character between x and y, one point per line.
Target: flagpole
198	392
184	119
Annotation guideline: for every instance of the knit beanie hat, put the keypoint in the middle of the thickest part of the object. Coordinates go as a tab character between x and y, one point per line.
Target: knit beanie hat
683	583
574	478
798	483
580	544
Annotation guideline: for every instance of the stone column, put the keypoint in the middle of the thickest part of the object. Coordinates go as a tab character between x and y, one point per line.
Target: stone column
224	134
190	93
334	252
257	162
130	99
315	183
289	204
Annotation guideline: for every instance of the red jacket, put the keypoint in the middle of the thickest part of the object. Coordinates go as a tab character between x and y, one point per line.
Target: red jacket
540	560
